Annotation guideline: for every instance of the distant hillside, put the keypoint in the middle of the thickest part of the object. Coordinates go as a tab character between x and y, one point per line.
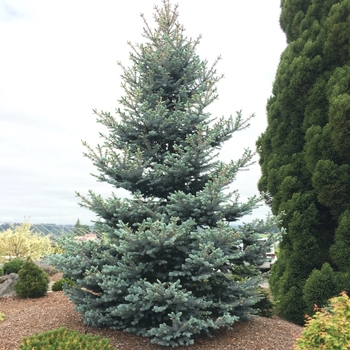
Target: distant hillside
45	229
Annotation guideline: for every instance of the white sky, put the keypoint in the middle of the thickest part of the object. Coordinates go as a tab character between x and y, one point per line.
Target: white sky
58	62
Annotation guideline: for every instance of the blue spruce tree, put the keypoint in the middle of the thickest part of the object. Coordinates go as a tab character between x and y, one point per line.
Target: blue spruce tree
168	265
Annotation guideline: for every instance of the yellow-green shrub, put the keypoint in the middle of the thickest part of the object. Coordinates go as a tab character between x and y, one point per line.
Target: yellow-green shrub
65	339
21	242
329	328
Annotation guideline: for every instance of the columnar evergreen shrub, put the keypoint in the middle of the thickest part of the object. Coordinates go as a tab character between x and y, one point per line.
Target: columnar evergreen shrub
168	265
305	150
340	250
64	339
328	328
33	282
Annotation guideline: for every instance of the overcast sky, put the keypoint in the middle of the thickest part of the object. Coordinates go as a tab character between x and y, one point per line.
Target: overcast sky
58	62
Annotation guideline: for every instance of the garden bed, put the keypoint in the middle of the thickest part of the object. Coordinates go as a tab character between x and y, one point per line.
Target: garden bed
24	317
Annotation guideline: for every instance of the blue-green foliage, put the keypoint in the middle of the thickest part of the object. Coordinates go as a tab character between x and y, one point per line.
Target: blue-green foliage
167	264
170	282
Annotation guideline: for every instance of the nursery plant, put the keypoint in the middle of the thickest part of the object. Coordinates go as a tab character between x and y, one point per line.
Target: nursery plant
329	327
33	282
58	285
12	266
305	150
168	264
64	339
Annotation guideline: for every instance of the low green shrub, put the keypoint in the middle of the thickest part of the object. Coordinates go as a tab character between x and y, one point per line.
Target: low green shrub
58	285
319	288
13	266
62	339
33	282
265	306
322	285
1	271
2	316
329	328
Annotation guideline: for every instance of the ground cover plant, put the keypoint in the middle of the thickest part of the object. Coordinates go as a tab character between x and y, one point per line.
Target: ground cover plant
62	339
168	265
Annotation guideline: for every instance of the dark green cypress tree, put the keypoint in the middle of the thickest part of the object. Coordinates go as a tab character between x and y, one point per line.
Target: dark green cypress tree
305	150
168	264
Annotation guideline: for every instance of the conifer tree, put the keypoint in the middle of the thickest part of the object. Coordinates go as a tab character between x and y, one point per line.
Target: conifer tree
79	229
305	150
168	265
